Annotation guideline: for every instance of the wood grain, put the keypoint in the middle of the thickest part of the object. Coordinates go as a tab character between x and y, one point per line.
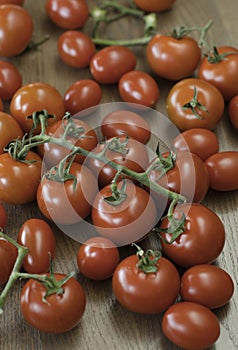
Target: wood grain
106	325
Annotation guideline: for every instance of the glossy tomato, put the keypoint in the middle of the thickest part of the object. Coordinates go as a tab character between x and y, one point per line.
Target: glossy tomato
172	58
154	5
9	130
223	170
3	217
97	258
194	103
220	68
191	326
60	312
10	80
109	64
67	14
16	27
38	237
76	49
208	285
202	240
8	255
233	111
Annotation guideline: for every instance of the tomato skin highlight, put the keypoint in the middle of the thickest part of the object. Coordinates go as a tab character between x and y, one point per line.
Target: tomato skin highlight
8	256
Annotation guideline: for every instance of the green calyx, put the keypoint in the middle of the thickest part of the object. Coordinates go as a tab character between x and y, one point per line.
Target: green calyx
195	105
148	261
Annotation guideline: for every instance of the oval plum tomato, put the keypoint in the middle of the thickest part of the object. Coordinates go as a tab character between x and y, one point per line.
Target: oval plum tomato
127	221
3	217
76	49
208	285
8	256
154	5
64	203
146	293
233	111
9	130
84	137
60	312
81	95
97	258
18	179
16	27
128	123
36	97
202	240
110	63
10	80
38	237
191	326
166	56
194	103
67	14
14	2
223	171
220	68
202	142
139	87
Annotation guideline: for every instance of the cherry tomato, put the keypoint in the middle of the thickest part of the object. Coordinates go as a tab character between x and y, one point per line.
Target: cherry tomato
127	221
202	240
3	217
194	103
9	130
19	180
126	122
60	312
38	237
76	49
191	326
154	5
139	87
67	14
208	285
97	258
223	171
15	2
35	97
147	293
202	142
233	111
221	70
110	63
16	27
171	58
63	203
81	95
10	80
8	255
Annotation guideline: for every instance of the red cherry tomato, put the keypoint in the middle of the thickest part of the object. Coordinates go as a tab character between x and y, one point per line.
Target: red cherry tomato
191	326
233	111
8	255
10	80
97	258
9	130
154	5
110	63
3	217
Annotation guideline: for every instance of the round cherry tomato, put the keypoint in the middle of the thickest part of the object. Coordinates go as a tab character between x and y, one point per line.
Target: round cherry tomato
15	2
124	222
167	55
191	326
10	80
9	130
67	14
154	5
202	240
202	142
76	49
223	171
147	293
128	123
233	111
8	255
35	97
208	285
139	87
3	217
16	27
19	180
60	312
220	68
110	63
81	95
194	103
64	203
97	258
38	237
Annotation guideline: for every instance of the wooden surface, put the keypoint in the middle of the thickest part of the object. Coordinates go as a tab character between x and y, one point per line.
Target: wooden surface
105	324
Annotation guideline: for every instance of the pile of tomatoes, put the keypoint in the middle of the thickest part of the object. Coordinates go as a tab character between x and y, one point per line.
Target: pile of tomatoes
114	198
